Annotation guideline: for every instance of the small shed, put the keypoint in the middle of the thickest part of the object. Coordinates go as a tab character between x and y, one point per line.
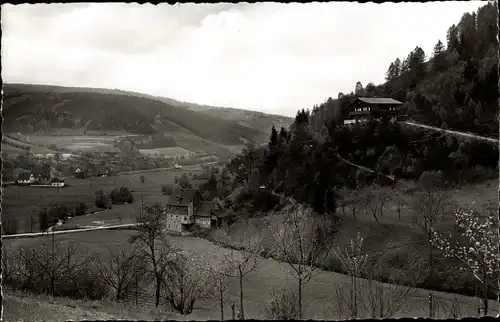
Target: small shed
56	182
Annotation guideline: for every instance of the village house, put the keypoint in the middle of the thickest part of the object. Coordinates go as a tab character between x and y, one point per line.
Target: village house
186	208
56	182
79	173
362	108
26	178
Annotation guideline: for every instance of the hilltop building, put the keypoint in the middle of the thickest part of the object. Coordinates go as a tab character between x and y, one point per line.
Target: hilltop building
362	108
186	207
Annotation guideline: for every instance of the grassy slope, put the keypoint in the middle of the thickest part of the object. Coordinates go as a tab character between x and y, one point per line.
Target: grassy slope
318	294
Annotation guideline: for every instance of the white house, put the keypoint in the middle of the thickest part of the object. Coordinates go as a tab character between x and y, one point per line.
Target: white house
56	182
26	178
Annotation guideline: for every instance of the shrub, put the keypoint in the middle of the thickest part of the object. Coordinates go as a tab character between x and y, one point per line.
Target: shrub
121	195
80	209
167	189
102	200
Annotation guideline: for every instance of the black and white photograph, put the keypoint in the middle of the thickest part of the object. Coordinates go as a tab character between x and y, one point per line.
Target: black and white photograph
262	161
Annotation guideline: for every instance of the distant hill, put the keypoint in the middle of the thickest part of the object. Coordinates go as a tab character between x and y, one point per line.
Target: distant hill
252	119
41	108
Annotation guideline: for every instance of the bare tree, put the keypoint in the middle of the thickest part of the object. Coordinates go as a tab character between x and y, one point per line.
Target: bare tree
187	280
382	198
56	262
118	269
371	205
152	246
240	264
398	199
385	300
10	261
284	304
298	244
431	207
354	201
219	274
352	259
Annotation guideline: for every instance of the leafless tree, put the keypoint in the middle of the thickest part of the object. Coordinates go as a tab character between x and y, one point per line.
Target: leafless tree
382	198
353	258
297	244
354	201
398	199
187	280
55	262
385	300
152	246
284	304
371	205
431	206
241	263
219	274
119	269
9	262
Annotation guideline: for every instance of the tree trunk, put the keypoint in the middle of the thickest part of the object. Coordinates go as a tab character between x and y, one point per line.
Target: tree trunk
221	305
355	300
300	298
485	295
157	293
242	314
430	279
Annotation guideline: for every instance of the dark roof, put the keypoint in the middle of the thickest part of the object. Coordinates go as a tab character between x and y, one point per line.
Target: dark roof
186	196
24	176
56	180
204	209
378	100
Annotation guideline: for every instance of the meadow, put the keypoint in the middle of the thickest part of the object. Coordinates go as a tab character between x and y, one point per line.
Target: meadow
78	143
166	152
319	297
24	202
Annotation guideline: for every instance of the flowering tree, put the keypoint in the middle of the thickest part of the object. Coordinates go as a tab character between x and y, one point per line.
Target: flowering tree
352	258
187	280
476	247
297	243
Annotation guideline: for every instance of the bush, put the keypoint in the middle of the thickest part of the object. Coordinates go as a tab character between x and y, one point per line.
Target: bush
121	195
284	304
81	209
102	200
167	189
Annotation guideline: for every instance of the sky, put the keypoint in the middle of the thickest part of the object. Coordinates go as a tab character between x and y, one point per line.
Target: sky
269	57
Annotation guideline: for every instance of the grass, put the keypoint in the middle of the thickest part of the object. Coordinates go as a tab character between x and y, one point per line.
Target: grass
24	202
167	152
318	294
83	143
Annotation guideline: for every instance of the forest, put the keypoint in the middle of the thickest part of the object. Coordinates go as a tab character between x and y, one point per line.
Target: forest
455	88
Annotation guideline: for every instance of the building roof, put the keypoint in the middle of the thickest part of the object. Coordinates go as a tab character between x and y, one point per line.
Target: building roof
56	180
78	170
181	197
204	209
24	176
377	100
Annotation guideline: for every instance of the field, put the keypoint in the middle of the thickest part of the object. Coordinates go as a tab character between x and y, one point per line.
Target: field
78	143
318	295
167	152
23	202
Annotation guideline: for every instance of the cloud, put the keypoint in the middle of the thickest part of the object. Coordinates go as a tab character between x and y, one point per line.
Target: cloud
266	56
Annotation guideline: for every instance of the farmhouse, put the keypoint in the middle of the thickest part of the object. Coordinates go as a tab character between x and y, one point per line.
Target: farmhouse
377	107
26	178
79	173
186	207
56	182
